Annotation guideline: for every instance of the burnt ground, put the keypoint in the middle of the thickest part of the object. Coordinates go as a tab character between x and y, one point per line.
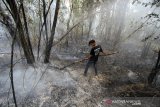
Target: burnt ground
69	88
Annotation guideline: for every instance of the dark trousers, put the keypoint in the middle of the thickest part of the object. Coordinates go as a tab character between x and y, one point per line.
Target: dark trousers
89	63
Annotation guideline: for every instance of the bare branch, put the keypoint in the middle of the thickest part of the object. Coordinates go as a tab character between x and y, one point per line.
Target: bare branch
66	33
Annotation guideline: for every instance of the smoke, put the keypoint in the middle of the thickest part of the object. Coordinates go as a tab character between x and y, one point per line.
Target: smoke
112	22
32	82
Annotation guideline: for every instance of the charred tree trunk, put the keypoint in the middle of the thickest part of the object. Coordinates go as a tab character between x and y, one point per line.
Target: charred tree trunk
154	72
40	23
45	20
11	71
90	26
158	61
50	42
25	45
26	27
68	24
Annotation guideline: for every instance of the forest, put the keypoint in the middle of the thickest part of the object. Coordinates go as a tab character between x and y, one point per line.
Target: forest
46	47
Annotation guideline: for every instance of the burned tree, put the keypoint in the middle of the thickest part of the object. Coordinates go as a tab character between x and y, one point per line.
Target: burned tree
21	34
50	42
155	70
26	26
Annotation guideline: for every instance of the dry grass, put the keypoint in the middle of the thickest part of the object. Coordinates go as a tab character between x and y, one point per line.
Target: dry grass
136	90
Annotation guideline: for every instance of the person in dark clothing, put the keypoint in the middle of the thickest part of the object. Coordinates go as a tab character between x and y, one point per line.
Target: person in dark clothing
93	57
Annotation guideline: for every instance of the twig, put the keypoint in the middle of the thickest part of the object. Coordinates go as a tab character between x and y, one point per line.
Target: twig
7	7
81	21
11	71
141	26
66	33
